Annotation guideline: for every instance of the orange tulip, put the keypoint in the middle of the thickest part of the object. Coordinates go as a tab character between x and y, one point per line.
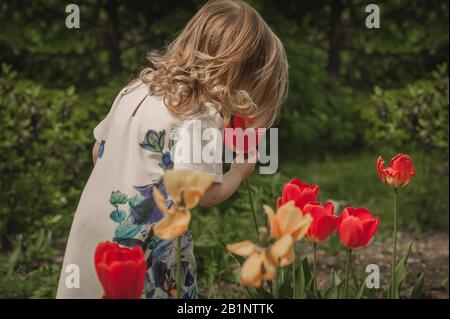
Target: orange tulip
288	220
261	262
185	189
287	226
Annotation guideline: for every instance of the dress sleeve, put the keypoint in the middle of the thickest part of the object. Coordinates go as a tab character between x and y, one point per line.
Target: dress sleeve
102	128
199	145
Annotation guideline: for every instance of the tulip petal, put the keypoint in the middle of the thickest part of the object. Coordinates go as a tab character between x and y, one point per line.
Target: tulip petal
403	166
243	248
290	192
103	276
361	213
281	247
301	228
351	232
380	170
123	271
370	228
305	197
174	181
102	248
269	269
173	225
329	208
192	197
199	182
251	270
299	183
288	258
292	221
286	215
325	226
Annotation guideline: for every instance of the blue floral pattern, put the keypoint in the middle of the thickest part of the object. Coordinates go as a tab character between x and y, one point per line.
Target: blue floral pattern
135	217
101	149
154	141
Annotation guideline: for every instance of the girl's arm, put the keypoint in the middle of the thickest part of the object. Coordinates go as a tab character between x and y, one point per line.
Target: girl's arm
219	192
95	152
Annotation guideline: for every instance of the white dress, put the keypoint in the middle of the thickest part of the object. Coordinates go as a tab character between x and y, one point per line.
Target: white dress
137	140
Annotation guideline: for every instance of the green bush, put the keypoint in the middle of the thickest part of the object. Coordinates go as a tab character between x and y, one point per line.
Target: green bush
42	132
413	115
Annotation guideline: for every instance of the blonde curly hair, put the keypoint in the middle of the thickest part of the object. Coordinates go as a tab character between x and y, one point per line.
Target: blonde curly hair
226	57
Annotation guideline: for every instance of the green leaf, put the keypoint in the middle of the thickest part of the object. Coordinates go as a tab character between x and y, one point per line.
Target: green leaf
284	283
300	286
13	258
304	282
400	274
306	270
417	290
334	291
362	287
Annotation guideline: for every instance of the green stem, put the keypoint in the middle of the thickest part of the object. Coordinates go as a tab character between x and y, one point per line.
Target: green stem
275	282
315	269
178	269
349	256
252	206
394	248
293	280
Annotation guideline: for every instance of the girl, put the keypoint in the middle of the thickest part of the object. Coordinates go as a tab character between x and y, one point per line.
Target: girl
226	61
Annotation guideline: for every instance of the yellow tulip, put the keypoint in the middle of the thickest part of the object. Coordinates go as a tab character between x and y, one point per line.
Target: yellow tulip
185	189
287	226
288	220
257	267
261	262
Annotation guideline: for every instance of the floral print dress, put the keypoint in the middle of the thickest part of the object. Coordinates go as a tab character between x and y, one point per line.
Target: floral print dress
139	140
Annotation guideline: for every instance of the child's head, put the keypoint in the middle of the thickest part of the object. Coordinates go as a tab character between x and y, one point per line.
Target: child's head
226	57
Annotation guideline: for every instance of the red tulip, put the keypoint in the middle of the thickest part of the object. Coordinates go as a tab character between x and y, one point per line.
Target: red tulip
399	174
251	137
324	222
299	192
357	227
120	270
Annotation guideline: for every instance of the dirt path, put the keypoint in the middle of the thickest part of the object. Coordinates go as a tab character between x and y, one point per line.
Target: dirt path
429	254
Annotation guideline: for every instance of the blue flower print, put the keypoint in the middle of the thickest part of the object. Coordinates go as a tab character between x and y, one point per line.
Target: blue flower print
145	210
166	161
154	141
101	149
